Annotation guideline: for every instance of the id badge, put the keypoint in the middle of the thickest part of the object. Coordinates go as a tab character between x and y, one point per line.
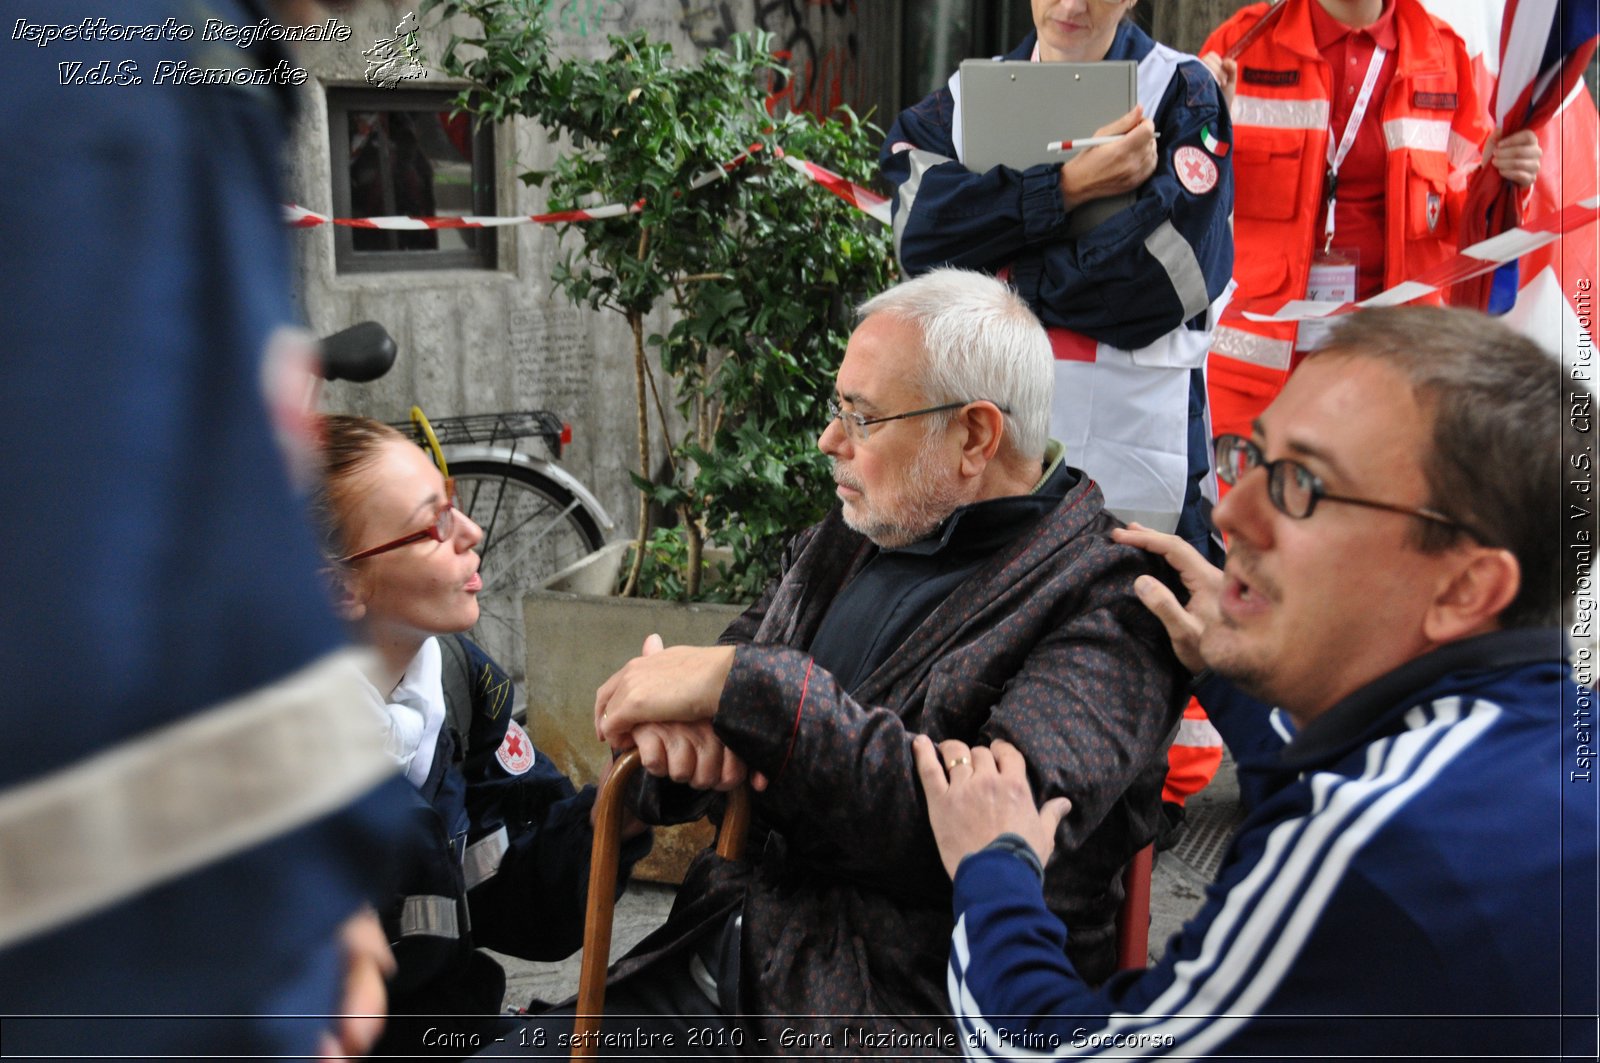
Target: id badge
1332	280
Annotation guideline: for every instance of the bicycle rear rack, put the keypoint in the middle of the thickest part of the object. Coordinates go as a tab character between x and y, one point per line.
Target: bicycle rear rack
493	428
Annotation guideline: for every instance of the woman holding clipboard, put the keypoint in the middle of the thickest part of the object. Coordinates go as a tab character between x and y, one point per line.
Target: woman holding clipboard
1129	301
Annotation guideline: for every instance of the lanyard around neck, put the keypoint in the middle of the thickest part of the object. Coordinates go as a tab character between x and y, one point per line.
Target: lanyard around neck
1336	156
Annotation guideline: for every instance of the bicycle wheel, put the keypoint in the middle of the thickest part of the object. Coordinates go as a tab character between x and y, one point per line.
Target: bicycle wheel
532	528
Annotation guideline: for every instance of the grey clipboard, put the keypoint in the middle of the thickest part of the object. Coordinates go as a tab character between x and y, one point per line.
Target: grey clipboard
1011	110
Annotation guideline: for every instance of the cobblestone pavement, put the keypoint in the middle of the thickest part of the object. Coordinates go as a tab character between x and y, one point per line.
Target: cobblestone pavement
1177	889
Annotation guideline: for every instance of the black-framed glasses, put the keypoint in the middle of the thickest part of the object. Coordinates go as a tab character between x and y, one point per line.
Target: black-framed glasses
1295	490
857	426
443	526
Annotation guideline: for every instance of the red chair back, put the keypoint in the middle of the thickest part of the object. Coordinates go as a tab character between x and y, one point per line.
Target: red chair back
1133	918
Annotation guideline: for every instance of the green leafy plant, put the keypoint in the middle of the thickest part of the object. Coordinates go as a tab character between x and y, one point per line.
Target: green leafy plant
760	269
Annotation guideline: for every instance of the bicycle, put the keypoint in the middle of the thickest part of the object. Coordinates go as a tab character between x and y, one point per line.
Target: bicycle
537	518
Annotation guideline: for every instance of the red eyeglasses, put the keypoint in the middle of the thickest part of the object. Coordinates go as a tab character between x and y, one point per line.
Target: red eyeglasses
444	524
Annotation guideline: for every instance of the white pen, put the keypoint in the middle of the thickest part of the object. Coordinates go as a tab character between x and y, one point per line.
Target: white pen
1085	142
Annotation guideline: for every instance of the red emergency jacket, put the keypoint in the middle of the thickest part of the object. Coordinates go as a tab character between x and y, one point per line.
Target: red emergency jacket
1434	126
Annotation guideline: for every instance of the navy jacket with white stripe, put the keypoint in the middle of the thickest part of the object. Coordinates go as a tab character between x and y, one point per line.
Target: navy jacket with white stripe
1417	878
497	857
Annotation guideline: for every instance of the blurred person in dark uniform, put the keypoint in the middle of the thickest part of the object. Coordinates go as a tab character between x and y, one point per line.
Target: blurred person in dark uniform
194	798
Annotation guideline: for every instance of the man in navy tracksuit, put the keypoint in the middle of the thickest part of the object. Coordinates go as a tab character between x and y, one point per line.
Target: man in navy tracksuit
1417	872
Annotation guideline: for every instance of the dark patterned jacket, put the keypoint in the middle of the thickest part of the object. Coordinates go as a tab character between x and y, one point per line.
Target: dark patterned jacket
846	906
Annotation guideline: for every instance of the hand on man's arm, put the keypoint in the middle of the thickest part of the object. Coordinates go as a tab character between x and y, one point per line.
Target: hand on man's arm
1244	722
1185	624
976	794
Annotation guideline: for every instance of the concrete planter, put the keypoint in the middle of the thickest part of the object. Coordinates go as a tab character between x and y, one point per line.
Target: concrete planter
575	642
594	574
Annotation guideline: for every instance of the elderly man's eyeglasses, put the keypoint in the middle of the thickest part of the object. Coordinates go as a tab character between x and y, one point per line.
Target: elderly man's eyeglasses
1295	490
858	427
443	526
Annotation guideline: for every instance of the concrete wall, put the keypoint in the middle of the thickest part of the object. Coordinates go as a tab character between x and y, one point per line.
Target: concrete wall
475	340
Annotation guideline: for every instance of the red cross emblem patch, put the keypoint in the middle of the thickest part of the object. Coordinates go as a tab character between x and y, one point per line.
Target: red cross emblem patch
516	752
1196	171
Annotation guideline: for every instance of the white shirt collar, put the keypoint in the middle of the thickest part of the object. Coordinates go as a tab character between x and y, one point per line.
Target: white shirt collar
416	711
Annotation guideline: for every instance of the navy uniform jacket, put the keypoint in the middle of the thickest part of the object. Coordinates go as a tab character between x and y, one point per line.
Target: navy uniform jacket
1106	283
1144	283
498	856
159	564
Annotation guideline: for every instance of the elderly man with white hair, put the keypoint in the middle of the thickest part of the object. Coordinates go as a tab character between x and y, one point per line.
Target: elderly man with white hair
966	587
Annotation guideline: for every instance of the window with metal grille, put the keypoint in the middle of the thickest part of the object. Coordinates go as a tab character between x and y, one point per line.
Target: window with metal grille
400	152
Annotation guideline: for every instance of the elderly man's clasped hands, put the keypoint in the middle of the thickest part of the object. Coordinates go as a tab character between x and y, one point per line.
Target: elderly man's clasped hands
661	703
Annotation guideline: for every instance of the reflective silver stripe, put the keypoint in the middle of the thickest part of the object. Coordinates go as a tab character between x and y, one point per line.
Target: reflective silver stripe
1183	269
160	805
1464	154
921	163
1197	733
1155	72
482	858
429	916
1249	347
1421	134
1280	114
958	134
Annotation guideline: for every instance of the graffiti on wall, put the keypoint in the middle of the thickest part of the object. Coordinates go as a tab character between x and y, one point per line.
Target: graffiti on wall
708	23
589	18
583	18
817	41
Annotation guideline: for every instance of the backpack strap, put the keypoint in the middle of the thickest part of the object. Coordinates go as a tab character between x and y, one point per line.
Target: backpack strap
455	673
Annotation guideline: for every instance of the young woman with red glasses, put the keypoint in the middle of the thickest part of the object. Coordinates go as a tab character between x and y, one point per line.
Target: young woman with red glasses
500	854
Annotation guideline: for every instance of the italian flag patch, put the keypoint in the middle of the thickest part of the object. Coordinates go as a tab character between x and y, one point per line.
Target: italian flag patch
1213	145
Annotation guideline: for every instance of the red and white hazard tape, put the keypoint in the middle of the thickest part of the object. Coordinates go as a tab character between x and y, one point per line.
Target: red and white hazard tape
1480	258
863	199
298	217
